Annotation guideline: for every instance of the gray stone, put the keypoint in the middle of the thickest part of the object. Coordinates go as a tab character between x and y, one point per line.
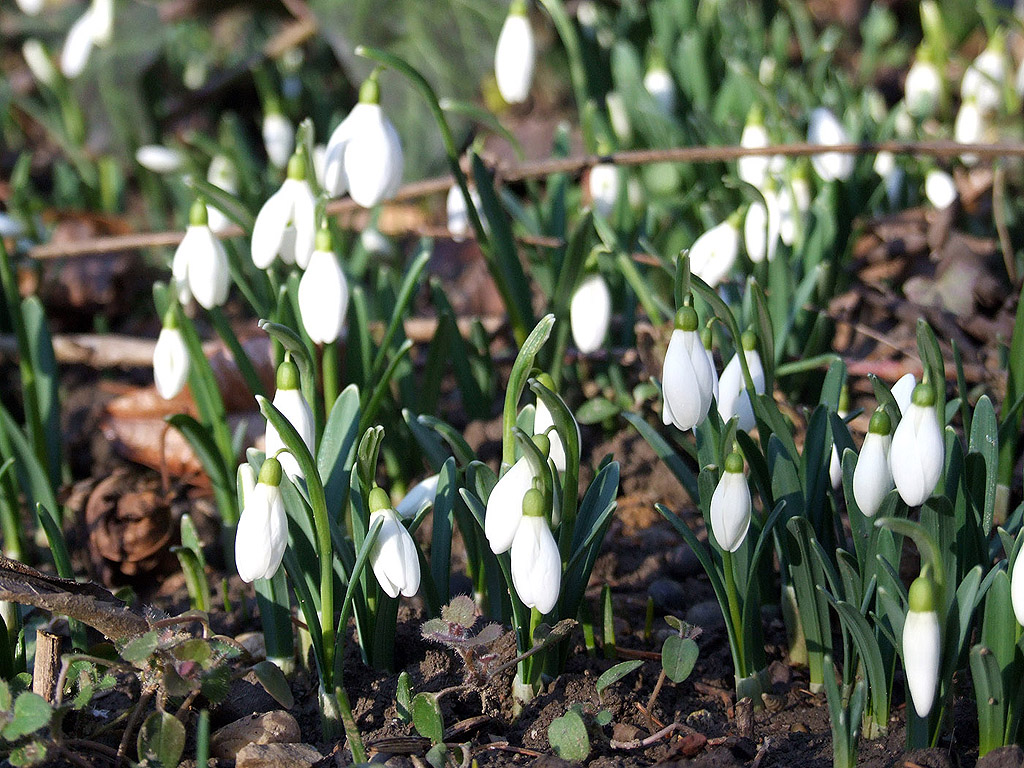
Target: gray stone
1003	757
682	563
668	595
277	756
277	727
706	614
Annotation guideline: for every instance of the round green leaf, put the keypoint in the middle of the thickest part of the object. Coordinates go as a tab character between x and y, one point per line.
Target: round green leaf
161	740
678	655
568	737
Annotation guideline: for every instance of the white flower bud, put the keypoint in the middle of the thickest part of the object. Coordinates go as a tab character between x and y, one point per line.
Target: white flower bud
940	189
658	82
39	62
31	7
761	228
618	116
730	506
983	79
262	534
323	293
535	559
917	452
170	362
515	56
293	406
222	174
923	89
970	127
891	174
922	645
714	253
421	494
825	130
753	169
74	56
687	378
603	184
286	224
872	478
543	423
200	264
159	159
459	224
278	138
734	399
505	506
394	558
1017	588
590	313
903	390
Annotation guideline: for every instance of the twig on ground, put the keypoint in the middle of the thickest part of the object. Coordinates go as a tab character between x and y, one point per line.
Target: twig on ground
654	738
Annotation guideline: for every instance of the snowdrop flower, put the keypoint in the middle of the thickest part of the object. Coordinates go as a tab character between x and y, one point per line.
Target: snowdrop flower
1017	588
375	243
200	264
891	174
278	137
761	227
794	202
714	253
459	224
170	359
223	174
245	481
825	130
970	127
10	226
922	90
536	562
730	505
590	313
39	62
505	504
658	82
618	116
903	391
364	155
940	189
95	27
734	399
544	422
515	55
286	224
922	644
262	533
917	450
393	558
753	169
420	495
835	466
872	479
293	406
323	292
983	79
159	159
687	377
603	183
31	7
707	340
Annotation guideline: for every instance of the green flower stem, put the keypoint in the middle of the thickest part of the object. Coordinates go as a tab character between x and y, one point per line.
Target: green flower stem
245	366
331	375
451	149
355	741
729	567
577	68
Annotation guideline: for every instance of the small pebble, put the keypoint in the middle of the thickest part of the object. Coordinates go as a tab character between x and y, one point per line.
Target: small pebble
668	595
681	562
706	614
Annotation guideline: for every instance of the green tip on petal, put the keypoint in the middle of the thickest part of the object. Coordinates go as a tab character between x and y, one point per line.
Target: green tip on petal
369	92
706	337
518	8
844	399
736	219
734	463
749	341
379	500
546	380
756	115
197	216
924	596
880	423
324	239
533	503
924	395
270	472
543	444
297	165
287	375
171	317
686	319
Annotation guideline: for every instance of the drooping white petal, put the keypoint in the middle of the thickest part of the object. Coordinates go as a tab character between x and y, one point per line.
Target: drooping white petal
872	479
278	139
714	253
373	159
536	564
658	82
293	406
603	184
222	174
825	129
262	534
323	298
31	7
922	651
102	21
940	189
734	400
268	231
208	276
590	313
334	181
903	391
761	229
969	127
1017	588
159	159
179	267
459	224
753	169
514	59
983	80
922	89
39	62
393	557
730	511
418	496
170	363
687	381
77	46
505	506
303	219
542	421
916	455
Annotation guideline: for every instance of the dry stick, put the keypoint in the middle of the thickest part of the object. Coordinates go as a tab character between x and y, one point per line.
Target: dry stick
654	738
573	165
44	672
654	698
